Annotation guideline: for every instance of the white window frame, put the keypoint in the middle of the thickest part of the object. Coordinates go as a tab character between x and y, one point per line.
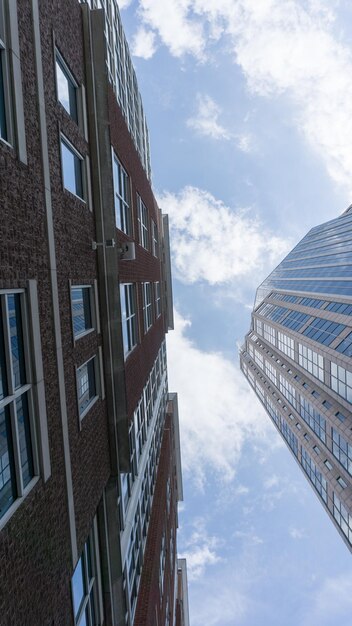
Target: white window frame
123	203
59	60
157	295
76	154
155	239
147	306
32	388
92	398
128	295
92	589
143	223
91	300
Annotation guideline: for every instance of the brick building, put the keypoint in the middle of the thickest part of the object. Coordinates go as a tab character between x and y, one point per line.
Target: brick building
297	357
90	471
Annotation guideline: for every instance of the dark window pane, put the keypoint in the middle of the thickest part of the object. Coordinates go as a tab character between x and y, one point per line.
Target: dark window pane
25	442
7	470
16	336
81	310
72	170
3	124
66	90
78	587
3	375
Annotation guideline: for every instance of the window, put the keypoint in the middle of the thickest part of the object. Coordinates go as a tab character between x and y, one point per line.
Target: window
260	391
259	359
286	345
270	371
122	196
3	112
269	334
84	585
315	476
72	169
288	390
18	464
162	559
311	361
259	327
81	310
343	518
129	316
313	418
86	386
289	436
143	223
341	381
157	299
66	87
342	450
155	239
147	305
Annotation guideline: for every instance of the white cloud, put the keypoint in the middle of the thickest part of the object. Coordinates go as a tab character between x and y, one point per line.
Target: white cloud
218	410
143	43
123	4
332	603
200	550
170	19
214	243
205	122
248	537
296	533
283	47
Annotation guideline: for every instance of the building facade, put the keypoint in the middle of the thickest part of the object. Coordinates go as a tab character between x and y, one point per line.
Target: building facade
298	359
90	472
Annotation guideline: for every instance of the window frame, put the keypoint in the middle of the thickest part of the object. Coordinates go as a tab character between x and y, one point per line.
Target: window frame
125	204
59	60
9	402
91	299
147	304
92	399
143	223
6	82
83	164
92	593
155	239
131	322
157	299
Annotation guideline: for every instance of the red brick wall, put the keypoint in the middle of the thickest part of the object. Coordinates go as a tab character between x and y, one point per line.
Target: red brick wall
150	603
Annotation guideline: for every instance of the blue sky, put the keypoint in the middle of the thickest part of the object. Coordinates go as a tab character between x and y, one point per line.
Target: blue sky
249	107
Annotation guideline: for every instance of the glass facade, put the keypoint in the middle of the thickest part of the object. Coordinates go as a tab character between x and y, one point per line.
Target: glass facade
303	319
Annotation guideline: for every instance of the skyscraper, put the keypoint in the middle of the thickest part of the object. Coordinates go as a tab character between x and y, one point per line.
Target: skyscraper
297	357
90	465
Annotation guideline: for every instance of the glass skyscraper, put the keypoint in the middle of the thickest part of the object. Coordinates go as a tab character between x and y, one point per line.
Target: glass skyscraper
297	358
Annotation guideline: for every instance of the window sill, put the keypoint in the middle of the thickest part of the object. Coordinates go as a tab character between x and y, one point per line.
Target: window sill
83	334
18	502
88	408
74	195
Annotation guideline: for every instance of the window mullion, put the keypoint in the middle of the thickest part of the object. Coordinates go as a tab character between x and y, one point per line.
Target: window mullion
16	449
7	342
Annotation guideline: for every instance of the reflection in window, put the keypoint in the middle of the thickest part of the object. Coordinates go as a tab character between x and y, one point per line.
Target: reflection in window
66	87
81	310
86	385
72	169
16	445
84	585
129	316
122	198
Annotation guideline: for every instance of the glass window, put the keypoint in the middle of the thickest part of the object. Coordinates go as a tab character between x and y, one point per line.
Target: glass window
315	476
81	310
143	230
155	239
286	345
84	585
86	385
341	381
66	87
287	390
342	450
128	316
72	169
16	442
311	361
123	215
147	305
313	418
343	518
269	334
3	114
157	299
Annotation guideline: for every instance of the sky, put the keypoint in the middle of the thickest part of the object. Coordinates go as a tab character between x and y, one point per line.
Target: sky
249	108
